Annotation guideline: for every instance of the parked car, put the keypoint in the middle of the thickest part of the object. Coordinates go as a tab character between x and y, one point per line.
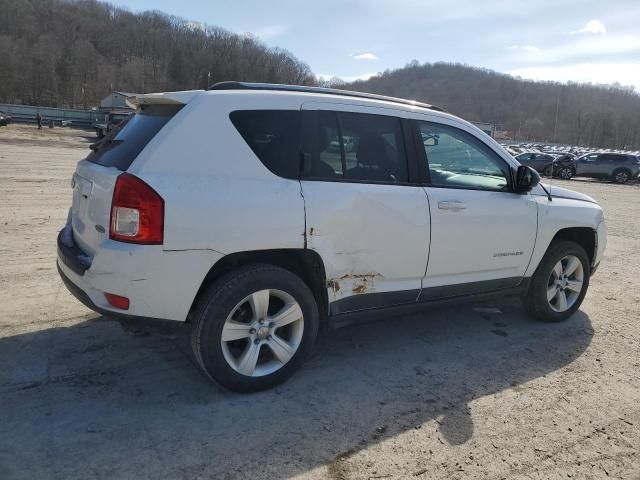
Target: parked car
562	166
5	119
111	120
223	208
349	144
618	167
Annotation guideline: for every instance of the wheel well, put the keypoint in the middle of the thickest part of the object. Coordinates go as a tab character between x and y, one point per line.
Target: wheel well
583	236
306	264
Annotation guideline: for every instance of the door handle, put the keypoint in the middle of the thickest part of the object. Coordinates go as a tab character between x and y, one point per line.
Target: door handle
452	205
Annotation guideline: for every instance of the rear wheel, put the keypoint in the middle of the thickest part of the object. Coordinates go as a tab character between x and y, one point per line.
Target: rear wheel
566	173
548	171
254	327
621	176
559	284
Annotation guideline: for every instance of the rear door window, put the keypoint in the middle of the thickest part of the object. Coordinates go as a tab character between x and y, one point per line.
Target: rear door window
357	147
125	142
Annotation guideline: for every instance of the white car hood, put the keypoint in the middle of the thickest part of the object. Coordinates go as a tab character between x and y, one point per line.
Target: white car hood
559	192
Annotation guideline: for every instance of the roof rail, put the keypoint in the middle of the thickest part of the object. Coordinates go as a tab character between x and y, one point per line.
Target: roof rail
231	85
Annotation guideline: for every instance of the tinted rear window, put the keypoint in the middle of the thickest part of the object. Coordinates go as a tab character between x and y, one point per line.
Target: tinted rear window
125	142
274	136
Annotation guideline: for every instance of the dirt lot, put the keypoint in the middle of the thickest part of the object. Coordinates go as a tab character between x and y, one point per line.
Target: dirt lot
467	392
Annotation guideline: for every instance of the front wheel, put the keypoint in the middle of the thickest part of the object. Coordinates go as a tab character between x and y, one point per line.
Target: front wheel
254	327
560	282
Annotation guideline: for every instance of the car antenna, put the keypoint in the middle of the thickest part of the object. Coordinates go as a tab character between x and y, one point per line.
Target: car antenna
548	192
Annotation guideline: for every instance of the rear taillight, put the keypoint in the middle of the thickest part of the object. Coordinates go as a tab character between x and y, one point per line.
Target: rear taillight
137	212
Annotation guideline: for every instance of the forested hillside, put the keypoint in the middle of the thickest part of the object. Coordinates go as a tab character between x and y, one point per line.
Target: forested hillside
74	52
604	116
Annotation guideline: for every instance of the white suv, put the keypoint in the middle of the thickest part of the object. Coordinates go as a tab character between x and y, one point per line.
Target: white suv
261	213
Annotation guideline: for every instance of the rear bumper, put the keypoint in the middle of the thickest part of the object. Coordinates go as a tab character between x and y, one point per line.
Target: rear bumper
80	294
159	284
70	254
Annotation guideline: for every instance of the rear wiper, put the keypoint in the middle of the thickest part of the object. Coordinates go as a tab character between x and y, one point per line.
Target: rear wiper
105	142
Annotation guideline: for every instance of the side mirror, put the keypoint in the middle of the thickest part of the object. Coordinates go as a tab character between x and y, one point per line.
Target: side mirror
526	179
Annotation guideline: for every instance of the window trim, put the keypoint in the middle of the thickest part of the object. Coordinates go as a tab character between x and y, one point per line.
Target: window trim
313	122
424	160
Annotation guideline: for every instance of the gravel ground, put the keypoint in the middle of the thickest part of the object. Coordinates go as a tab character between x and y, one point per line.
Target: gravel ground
478	391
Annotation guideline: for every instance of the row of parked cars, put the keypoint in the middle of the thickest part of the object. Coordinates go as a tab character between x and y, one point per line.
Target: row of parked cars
618	166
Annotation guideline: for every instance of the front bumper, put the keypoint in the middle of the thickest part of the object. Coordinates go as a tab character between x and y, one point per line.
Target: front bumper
159	284
601	244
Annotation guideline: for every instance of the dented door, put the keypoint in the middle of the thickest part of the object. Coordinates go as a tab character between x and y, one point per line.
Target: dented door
373	237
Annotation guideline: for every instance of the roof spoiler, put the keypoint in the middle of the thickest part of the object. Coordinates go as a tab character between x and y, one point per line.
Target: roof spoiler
164	98
328	91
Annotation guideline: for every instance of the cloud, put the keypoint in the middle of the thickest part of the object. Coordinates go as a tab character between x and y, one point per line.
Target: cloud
523	48
271	31
592	26
363	56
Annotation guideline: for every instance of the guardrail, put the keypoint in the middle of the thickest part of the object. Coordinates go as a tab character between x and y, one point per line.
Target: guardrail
59	116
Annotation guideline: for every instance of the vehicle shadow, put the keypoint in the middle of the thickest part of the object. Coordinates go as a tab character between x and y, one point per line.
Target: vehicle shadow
110	399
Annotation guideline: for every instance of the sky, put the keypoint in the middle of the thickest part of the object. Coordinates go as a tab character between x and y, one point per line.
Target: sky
595	41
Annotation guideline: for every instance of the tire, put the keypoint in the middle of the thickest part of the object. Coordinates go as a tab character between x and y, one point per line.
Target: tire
548	171
621	176
233	300
566	173
546	279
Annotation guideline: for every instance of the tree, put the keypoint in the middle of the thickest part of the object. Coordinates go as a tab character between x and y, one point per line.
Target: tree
588	115
74	52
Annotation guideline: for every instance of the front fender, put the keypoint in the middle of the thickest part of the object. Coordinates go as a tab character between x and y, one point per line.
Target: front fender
563	213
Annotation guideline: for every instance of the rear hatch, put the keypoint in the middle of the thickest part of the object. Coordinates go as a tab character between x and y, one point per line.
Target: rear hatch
95	177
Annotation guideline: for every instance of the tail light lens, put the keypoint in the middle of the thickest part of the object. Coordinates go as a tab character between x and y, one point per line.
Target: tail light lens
137	212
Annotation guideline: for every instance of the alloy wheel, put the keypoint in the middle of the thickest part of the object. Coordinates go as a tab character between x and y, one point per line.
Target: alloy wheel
262	333
565	283
566	173
622	177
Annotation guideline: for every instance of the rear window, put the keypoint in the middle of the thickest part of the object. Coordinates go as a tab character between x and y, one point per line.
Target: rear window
274	136
125	142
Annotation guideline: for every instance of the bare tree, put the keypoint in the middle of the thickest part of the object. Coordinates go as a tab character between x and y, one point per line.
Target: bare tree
73	52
